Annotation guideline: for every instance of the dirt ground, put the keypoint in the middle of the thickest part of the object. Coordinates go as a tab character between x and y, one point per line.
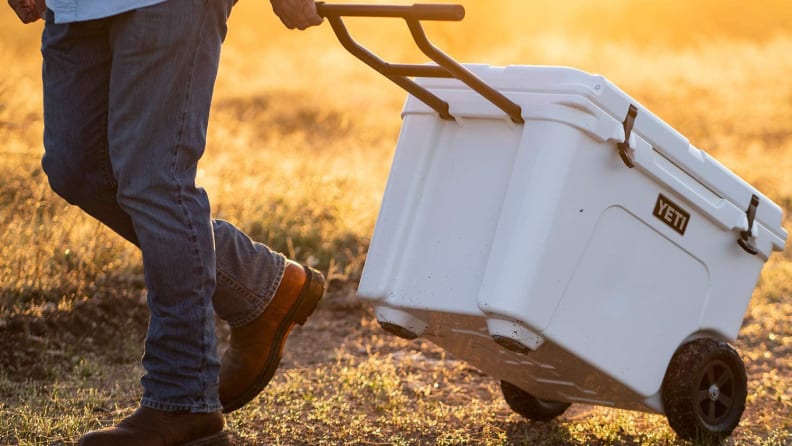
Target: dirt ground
34	349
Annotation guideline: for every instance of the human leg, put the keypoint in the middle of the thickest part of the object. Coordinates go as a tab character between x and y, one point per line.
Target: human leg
163	70
76	74
249	275
76	77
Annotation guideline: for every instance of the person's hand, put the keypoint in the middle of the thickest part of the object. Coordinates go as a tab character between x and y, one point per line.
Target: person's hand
299	14
28	10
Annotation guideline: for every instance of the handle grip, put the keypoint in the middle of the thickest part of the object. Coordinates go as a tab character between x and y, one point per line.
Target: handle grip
398	73
413	12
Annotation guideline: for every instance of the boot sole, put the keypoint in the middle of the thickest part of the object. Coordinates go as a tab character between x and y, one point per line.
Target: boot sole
218	439
306	303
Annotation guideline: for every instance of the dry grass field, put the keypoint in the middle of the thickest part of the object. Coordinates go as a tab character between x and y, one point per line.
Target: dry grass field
299	149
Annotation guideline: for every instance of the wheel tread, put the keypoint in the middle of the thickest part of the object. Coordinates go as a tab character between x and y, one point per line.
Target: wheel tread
681	393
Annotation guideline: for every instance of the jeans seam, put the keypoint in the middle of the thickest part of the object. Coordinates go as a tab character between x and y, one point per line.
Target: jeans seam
180	188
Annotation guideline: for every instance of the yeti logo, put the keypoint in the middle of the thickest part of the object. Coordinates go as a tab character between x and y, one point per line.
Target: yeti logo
671	214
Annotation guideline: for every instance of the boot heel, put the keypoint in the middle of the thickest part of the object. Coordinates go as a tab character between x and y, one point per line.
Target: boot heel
311	295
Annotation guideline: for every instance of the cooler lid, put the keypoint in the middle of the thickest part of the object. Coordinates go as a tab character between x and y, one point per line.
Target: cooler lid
519	82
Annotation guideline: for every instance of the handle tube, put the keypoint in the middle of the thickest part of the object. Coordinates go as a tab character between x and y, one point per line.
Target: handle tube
399	73
458	71
414	12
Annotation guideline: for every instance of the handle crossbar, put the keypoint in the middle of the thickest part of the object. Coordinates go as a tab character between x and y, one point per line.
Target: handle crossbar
400	74
416	12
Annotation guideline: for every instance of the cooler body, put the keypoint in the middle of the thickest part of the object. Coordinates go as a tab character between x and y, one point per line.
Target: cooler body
541	256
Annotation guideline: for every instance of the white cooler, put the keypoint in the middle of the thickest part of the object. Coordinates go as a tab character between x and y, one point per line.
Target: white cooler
539	234
572	255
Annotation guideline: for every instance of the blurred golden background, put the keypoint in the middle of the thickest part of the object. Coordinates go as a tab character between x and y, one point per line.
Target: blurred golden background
300	143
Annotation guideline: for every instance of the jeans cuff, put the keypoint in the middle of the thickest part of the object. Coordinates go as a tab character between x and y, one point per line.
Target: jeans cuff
262	301
173	407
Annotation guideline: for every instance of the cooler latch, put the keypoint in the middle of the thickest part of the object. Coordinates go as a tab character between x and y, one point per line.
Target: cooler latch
624	147
745	236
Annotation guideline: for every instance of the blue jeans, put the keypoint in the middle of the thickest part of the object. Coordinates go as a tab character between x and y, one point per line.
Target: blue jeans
126	107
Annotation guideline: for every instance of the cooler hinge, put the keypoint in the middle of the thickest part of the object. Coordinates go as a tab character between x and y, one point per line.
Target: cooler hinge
745	236
624	147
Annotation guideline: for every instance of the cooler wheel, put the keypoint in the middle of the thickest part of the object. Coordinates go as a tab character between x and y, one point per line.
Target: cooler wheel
530	406
704	391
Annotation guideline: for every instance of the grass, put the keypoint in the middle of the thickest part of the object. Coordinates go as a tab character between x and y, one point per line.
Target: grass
299	149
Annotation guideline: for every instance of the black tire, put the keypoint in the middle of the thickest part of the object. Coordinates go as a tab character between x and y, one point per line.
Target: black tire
530	406
704	391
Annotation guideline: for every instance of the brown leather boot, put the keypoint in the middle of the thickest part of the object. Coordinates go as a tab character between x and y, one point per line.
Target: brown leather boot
255	349
156	428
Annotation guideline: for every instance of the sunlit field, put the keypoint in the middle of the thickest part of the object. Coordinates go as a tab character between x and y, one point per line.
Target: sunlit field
300	144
